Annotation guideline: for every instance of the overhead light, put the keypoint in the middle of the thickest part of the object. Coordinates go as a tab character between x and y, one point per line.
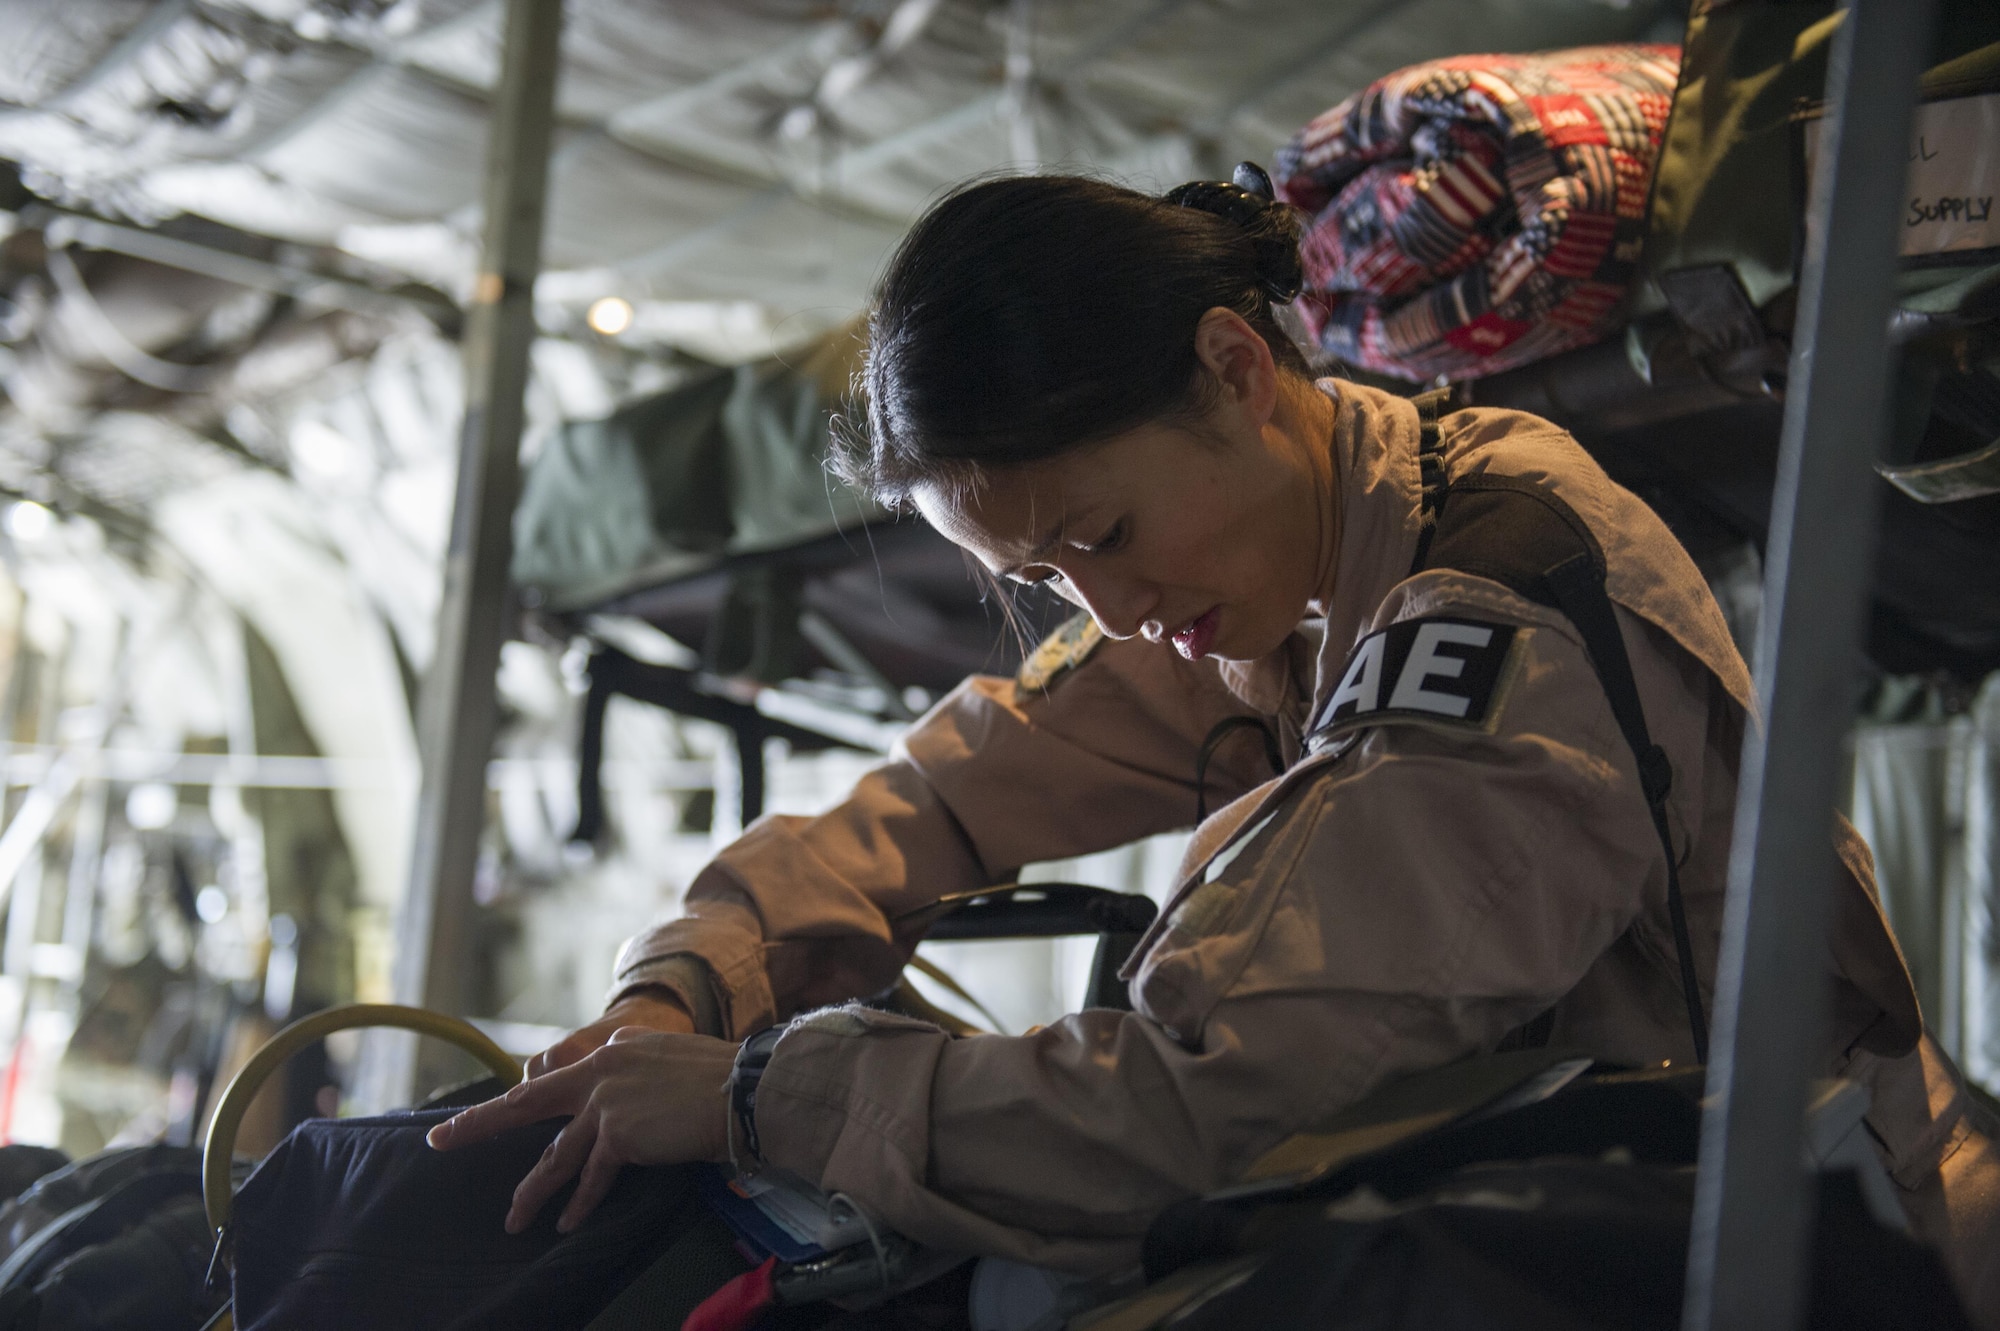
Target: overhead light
212	904
799	122
610	315
28	520
151	805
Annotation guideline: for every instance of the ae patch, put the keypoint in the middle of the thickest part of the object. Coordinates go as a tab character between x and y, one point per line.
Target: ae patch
1436	669
1065	649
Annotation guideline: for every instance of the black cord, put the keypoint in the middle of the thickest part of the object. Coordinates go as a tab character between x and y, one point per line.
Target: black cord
1222	730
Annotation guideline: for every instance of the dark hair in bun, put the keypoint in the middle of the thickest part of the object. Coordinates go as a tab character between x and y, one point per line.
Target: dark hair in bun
1273	228
1027	315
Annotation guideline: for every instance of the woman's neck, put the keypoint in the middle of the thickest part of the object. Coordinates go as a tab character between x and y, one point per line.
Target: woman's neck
1309	419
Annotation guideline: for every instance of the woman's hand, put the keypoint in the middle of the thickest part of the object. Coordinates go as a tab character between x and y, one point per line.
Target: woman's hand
654	1009
645	1098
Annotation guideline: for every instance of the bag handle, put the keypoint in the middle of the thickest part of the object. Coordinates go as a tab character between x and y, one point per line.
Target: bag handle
220	1148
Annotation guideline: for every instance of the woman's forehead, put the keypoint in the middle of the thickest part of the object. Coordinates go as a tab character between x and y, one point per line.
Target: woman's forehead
1011	516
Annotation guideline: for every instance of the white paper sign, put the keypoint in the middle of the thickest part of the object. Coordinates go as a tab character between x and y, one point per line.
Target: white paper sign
1954	177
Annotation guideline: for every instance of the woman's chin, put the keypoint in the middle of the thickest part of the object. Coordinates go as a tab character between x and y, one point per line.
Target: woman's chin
1222	633
1243	648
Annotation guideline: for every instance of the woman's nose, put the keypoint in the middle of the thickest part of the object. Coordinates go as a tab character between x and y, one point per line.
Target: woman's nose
1118	604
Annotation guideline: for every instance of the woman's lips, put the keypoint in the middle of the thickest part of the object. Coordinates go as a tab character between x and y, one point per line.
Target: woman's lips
1194	641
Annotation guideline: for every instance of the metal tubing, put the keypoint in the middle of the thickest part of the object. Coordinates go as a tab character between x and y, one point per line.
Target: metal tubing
225	266
456	710
1748	1251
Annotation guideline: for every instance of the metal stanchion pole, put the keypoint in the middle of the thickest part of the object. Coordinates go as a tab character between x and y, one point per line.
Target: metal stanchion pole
1748	1255
456	710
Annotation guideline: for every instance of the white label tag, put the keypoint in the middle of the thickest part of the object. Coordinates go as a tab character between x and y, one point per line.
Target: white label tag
1954	178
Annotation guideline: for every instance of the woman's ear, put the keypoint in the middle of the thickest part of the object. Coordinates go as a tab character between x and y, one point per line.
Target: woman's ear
1240	362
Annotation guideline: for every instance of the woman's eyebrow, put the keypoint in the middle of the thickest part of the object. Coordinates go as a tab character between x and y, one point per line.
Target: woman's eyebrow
1040	550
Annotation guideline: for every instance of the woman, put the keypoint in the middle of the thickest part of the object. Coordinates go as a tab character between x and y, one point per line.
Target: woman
1085	388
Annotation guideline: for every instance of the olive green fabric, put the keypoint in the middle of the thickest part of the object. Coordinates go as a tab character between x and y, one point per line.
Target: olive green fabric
584	526
1975	71
1727	189
1723	192
731	461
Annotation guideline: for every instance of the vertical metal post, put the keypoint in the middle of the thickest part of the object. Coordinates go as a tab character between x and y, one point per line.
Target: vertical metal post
456	710
1748	1252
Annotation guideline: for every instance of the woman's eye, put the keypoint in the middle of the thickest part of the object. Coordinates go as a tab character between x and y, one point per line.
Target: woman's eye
1110	541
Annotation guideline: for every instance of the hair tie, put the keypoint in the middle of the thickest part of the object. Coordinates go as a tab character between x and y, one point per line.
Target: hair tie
1246	201
1253	179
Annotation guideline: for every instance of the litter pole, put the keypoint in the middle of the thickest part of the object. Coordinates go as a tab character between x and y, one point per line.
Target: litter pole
456	709
1749	1246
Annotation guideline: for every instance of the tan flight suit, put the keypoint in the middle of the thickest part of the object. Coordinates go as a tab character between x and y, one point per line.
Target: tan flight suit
1392	905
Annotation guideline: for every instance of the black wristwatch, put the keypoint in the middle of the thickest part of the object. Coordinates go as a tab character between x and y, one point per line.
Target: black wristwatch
751	1059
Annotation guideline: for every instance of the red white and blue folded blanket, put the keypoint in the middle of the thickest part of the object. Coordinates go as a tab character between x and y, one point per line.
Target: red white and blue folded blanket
1471	215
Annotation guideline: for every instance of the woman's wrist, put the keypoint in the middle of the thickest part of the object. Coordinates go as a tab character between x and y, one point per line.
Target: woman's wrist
745	1076
691	982
655	1007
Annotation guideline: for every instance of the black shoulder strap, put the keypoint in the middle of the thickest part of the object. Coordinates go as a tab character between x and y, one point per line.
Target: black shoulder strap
1519	534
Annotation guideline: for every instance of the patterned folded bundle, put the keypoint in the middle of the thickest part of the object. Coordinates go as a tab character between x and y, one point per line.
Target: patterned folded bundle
1471	215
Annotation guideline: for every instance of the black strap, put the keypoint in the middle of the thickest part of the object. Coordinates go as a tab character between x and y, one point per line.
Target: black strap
1519	534
683	693
590	761
1532	1034
1578	585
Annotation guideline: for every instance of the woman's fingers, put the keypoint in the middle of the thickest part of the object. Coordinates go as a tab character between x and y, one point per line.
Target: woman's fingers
530	1102
560	1054
645	1009
599	1173
646	1097
559	1162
